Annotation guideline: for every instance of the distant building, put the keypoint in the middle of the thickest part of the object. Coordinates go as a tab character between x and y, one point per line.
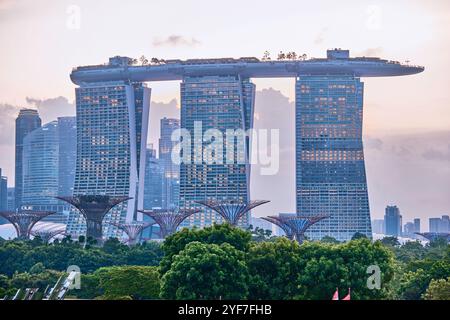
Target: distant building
393	221
49	154
171	177
378	226
417	225
439	225
408	230
27	121
67	135
3	195
153	185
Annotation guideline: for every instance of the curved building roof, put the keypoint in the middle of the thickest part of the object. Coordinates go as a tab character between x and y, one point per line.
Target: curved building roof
338	62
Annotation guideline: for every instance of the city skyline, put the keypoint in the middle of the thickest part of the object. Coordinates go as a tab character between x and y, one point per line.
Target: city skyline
378	101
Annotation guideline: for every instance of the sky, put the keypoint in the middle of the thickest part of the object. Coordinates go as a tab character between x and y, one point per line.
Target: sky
406	119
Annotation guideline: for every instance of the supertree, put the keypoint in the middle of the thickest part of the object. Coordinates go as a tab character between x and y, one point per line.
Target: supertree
169	219
298	223
94	208
231	210
276	221
46	233
431	236
24	221
133	230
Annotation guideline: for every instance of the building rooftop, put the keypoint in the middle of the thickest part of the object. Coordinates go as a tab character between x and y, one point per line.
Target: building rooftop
338	62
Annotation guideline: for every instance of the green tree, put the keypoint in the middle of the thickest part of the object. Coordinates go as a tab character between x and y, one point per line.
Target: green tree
138	282
206	271
438	290
328	239
359	235
273	268
215	234
390	241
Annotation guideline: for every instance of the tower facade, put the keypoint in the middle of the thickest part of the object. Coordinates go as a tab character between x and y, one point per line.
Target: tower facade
171	176
27	121
330	171
393	221
112	123
67	135
223	103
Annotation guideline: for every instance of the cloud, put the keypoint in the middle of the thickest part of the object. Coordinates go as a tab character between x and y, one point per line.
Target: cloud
438	155
371	52
176	40
52	108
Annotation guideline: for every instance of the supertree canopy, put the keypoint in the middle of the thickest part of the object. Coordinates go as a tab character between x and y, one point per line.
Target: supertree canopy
276	221
24	221
94	208
133	230
297	223
232	210
169	219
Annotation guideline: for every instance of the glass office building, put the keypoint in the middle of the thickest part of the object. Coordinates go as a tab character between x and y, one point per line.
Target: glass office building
49	154
215	102
330	171
171	180
153	189
112	122
27	121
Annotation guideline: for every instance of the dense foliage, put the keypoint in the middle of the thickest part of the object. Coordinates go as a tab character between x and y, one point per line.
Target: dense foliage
223	262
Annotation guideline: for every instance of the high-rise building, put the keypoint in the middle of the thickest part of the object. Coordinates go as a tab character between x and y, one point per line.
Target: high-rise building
445	224
439	225
67	135
171	177
378	226
217	93
416	225
153	186
27	121
331	176
3	192
215	102
112	123
408	230
48	167
393	221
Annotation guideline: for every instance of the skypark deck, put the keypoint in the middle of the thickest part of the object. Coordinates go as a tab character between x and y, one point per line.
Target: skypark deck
119	68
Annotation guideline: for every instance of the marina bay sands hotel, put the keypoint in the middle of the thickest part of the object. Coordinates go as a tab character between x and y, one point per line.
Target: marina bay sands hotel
113	102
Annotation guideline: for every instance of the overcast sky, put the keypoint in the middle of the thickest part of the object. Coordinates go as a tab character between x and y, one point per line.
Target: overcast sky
406	119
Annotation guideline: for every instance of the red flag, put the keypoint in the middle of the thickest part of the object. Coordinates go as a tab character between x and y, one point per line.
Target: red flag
347	297
336	295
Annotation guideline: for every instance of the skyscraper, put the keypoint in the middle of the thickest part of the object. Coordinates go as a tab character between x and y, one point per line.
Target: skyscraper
378	226
441	225
67	136
393	221
11	199
408	230
215	102
171	176
330	172
153	186
416	225
49	154
27	121
40	166
112	122
3	195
